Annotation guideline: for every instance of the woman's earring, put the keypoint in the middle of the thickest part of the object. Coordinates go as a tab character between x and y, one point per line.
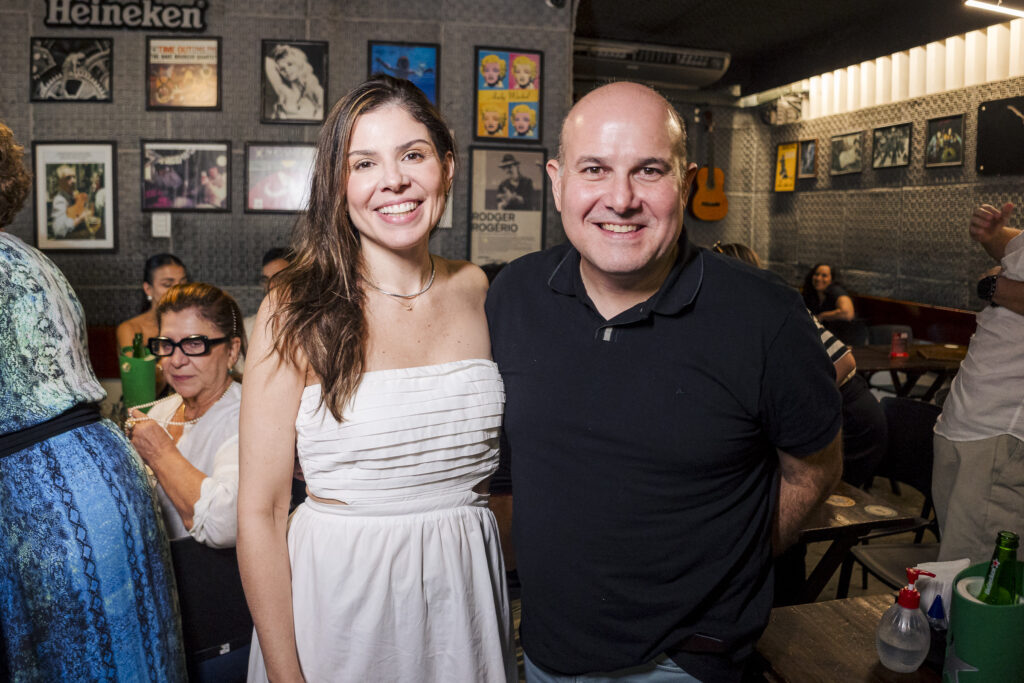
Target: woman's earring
149	297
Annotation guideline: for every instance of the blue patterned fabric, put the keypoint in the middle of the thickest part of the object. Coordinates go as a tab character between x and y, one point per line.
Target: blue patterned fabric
44	363
86	586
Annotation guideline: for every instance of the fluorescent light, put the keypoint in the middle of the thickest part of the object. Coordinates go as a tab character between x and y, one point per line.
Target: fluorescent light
991	6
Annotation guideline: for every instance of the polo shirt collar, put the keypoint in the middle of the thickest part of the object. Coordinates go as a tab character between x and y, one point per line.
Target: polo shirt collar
676	293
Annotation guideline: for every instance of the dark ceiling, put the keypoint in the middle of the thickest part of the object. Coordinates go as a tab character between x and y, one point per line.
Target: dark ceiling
776	42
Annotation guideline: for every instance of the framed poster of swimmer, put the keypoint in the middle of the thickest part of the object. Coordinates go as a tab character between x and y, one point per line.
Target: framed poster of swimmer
509	94
506	206
72	69
785	166
277	176
416	62
808	167
186	176
182	73
944	142
75	196
294	81
846	154
890	146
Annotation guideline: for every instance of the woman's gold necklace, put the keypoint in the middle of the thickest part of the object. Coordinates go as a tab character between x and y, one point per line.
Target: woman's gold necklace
406	300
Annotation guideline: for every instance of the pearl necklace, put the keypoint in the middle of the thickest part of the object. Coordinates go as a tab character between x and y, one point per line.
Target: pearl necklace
130	423
407	297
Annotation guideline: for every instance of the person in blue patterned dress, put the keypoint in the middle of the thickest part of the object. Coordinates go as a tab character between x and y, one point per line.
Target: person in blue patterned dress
86	586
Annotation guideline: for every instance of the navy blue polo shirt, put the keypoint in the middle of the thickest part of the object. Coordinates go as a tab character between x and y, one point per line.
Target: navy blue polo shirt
643	454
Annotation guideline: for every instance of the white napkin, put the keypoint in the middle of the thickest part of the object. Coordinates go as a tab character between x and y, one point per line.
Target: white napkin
939	587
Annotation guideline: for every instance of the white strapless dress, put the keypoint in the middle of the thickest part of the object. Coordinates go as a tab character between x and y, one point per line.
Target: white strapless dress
406	582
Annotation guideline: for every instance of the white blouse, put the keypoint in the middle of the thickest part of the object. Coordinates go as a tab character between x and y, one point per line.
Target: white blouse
211	445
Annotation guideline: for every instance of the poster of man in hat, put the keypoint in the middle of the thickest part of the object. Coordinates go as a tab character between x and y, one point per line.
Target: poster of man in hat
515	192
507	204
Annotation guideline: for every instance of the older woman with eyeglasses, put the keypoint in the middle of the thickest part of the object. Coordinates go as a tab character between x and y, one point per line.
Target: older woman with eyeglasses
190	439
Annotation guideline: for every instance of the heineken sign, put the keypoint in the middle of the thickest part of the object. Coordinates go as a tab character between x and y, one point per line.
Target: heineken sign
145	14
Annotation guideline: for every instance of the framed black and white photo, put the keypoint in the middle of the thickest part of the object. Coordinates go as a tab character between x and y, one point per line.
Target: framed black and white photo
847	155
182	73
944	142
1001	137
277	176
186	176
508	98
416	62
75	196
72	69
506	208
807	165
294	81
890	146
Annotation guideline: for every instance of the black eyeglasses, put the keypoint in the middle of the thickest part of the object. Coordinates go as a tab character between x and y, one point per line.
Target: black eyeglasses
192	345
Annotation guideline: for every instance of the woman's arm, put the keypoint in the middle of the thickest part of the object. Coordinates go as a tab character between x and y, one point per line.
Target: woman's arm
126	334
179	478
274	77
270	401
842	311
215	517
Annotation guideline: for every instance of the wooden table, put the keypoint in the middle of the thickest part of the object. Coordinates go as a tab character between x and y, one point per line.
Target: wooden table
831	641
942	359
847	515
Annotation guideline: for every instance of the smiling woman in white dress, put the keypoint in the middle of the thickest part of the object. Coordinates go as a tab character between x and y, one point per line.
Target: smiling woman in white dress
371	360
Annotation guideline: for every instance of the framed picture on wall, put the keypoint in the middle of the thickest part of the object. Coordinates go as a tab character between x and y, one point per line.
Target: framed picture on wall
785	166
75	196
182	73
846	154
944	142
277	176
1001	137
294	81
506	206
808	166
186	176
508	98
72	69
890	146
417	62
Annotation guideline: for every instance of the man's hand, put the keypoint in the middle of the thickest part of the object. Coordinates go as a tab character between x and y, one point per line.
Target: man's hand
988	228
987	221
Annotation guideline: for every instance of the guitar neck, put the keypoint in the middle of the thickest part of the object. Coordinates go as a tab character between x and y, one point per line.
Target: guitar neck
711	162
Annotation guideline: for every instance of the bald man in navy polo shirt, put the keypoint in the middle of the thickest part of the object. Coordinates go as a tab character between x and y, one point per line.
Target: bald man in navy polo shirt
671	416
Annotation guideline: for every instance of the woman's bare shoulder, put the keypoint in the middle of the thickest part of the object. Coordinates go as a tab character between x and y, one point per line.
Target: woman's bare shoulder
464	274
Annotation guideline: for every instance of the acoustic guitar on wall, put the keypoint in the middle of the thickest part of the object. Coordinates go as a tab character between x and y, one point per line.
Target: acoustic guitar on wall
709	201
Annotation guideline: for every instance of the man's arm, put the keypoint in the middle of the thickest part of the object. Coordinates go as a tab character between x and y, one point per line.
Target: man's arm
805	483
988	228
1009	294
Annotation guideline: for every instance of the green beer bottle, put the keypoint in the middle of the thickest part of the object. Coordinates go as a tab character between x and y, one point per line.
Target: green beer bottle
1000	586
138	349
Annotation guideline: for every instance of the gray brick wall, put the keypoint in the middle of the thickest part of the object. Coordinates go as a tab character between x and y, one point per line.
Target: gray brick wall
898	232
225	248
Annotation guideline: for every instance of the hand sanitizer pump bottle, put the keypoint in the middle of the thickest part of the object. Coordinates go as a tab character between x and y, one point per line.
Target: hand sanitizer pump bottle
903	635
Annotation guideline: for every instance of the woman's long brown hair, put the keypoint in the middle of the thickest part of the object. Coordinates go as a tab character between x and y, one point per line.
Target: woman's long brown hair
321	302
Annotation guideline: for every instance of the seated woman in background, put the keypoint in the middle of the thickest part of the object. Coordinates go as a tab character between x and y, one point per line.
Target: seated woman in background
161	272
190	439
823	295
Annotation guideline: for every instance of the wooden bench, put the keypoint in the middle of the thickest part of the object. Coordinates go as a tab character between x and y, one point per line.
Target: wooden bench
934	323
